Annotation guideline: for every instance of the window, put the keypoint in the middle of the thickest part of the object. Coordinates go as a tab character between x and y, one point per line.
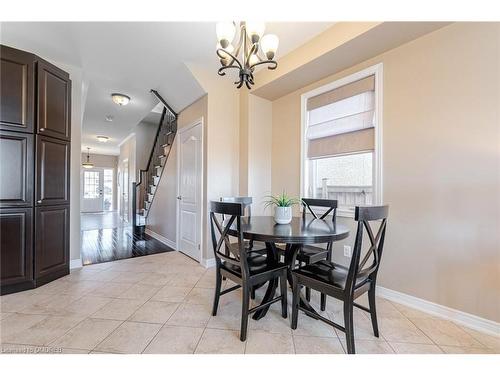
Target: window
90	184
341	141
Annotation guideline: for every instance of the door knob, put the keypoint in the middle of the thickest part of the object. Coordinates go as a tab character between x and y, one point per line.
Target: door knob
179	197
39	201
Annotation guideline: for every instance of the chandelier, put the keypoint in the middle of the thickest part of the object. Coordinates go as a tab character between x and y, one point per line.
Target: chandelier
252	49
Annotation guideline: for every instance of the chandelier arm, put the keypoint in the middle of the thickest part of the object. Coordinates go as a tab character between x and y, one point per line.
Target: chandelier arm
273	63
220	51
252	51
221	71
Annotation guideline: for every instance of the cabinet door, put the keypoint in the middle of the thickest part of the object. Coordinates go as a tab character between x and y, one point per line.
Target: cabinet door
16	90
16	169
52	171
54	101
16	246
51	242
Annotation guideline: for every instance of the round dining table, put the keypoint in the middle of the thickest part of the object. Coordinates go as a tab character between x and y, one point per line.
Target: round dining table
299	232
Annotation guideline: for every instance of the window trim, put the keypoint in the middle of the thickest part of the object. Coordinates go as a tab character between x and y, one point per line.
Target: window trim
376	70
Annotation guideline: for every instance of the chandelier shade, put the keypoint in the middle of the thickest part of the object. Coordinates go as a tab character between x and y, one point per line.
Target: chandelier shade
252	49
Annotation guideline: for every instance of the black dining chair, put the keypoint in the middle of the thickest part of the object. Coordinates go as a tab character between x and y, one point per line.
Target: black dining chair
244	270
347	284
254	248
309	254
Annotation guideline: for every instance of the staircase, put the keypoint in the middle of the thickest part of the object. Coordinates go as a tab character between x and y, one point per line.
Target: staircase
144	190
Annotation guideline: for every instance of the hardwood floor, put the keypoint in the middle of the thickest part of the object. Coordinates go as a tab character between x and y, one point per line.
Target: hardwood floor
107	238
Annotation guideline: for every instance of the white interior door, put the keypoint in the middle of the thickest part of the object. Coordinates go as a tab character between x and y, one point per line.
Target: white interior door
124	206
189	191
92	190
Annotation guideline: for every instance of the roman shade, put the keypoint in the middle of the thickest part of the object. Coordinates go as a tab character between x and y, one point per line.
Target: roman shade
341	120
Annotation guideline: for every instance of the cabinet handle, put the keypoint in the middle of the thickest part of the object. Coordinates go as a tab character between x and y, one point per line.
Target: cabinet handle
42	129
39	201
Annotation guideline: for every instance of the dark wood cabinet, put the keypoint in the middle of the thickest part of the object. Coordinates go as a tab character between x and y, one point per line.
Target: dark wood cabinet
51	243
16	171
52	171
35	123
16	249
17	89
54	101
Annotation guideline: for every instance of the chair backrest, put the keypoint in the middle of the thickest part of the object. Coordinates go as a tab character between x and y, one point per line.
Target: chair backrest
246	203
331	204
230	216
360	268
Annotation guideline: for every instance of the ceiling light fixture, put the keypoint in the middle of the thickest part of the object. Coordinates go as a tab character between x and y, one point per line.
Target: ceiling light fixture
87	164
120	99
102	138
251	45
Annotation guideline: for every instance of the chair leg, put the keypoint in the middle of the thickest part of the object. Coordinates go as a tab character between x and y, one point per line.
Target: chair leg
349	326
244	311
218	284
295	303
373	309
308	294
323	302
283	287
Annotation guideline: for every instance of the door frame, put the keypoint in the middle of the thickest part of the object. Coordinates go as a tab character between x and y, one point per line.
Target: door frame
184	129
123	185
82	184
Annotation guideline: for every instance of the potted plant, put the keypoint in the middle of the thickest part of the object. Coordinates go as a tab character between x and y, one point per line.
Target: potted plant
283	207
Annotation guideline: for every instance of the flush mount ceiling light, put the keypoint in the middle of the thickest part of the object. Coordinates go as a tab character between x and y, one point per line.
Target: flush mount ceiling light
252	49
120	99
87	164
102	138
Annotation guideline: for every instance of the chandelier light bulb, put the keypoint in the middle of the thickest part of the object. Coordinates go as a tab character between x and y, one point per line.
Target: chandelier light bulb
269	44
255	30
225	33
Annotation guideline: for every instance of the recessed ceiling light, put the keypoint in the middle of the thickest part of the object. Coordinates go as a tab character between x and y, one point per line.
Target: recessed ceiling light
102	138
120	99
109	118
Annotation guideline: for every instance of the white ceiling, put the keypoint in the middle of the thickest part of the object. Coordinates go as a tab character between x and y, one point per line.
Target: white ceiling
132	58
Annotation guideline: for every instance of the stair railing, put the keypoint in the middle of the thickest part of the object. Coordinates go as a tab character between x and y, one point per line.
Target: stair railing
165	134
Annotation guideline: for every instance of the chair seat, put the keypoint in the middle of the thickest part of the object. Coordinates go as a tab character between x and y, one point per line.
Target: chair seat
329	273
311	254
257	264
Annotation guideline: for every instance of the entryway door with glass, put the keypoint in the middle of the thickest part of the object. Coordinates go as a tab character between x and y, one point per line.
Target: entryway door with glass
97	190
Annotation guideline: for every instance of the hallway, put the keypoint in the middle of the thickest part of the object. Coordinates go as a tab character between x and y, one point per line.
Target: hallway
105	237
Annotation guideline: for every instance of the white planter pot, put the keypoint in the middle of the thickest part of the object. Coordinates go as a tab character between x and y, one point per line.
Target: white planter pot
283	215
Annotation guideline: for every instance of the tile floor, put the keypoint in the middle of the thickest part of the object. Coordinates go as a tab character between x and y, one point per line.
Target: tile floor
161	304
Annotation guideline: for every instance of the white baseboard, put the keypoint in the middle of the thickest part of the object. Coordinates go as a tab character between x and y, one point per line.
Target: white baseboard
161	238
468	320
208	263
75	263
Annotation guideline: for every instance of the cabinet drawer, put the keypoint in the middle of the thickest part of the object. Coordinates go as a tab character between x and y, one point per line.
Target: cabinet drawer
17	88
16	169
51	241
16	246
52	171
54	101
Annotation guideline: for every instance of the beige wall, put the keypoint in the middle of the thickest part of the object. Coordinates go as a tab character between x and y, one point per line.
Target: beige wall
441	165
162	217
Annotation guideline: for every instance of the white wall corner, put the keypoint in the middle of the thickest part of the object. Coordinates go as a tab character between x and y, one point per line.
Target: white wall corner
468	320
162	239
75	263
